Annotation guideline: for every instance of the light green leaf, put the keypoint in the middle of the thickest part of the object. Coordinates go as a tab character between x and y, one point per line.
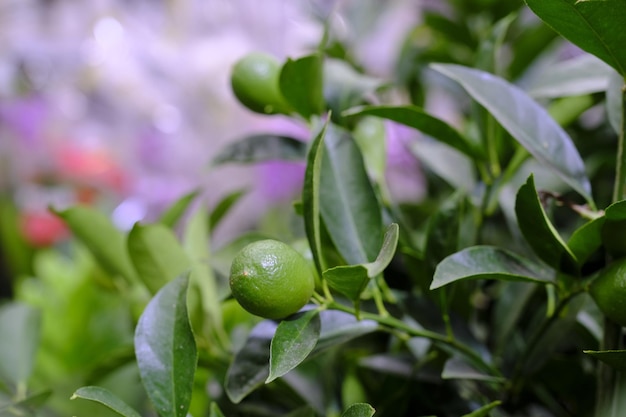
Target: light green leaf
417	118
616	359
587	239
614	101
348	204
156	254
539	231
527	122
488	262
106	398
223	207
105	242
594	26
359	410
166	350
351	280
301	83
19	341
215	411
294	339
176	210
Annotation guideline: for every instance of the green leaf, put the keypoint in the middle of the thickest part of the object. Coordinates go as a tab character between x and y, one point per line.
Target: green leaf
348	204
311	198
223	207
156	254
294	339
614	101
215	411
614	358
369	133
417	118
106	398
249	368
105	242
166	350
26	407
173	214
594	26
456	368
19	341
351	280
488	262
584	74
301	83
587	239
613	231
359	410
263	147
539	231
527	122
484	411
344	87
449	164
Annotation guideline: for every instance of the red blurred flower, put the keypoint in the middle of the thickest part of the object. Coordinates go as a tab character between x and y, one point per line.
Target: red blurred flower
42	228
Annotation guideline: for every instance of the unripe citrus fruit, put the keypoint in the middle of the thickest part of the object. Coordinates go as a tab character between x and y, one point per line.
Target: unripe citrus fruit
255	82
270	279
609	292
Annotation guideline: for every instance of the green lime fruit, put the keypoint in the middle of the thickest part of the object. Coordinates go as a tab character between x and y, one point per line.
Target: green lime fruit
609	292
255	82
270	279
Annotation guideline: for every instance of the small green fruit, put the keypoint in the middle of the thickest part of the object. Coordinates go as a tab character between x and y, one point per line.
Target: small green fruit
609	291
255	82
270	279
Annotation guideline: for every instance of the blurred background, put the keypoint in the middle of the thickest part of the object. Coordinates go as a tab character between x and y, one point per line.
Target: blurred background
122	104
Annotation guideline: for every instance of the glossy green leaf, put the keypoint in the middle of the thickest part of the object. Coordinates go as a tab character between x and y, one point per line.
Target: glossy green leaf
484	411
351	280
339	327
294	339
311	198
584	74
19	341
488	262
595	26
539	231
527	122
348	204
250	367
106	398
215	411
587	239
166	350
259	148
359	410
616	359
156	254
301	83
105	242
174	213
223	207
417	118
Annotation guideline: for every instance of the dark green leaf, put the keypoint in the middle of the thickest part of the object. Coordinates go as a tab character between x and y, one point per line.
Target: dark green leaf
223	207
488	262
166	350
105	242
19	341
614	358
301	83
260	148
581	75
351	280
527	122
311	198
595	26
106	398
614	229
178	209
417	118
348	204
359	410
305	411
294	339
443	231
484	411
539	231
156	254
250	366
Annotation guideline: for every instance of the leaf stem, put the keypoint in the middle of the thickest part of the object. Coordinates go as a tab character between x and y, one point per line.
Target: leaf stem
619	192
